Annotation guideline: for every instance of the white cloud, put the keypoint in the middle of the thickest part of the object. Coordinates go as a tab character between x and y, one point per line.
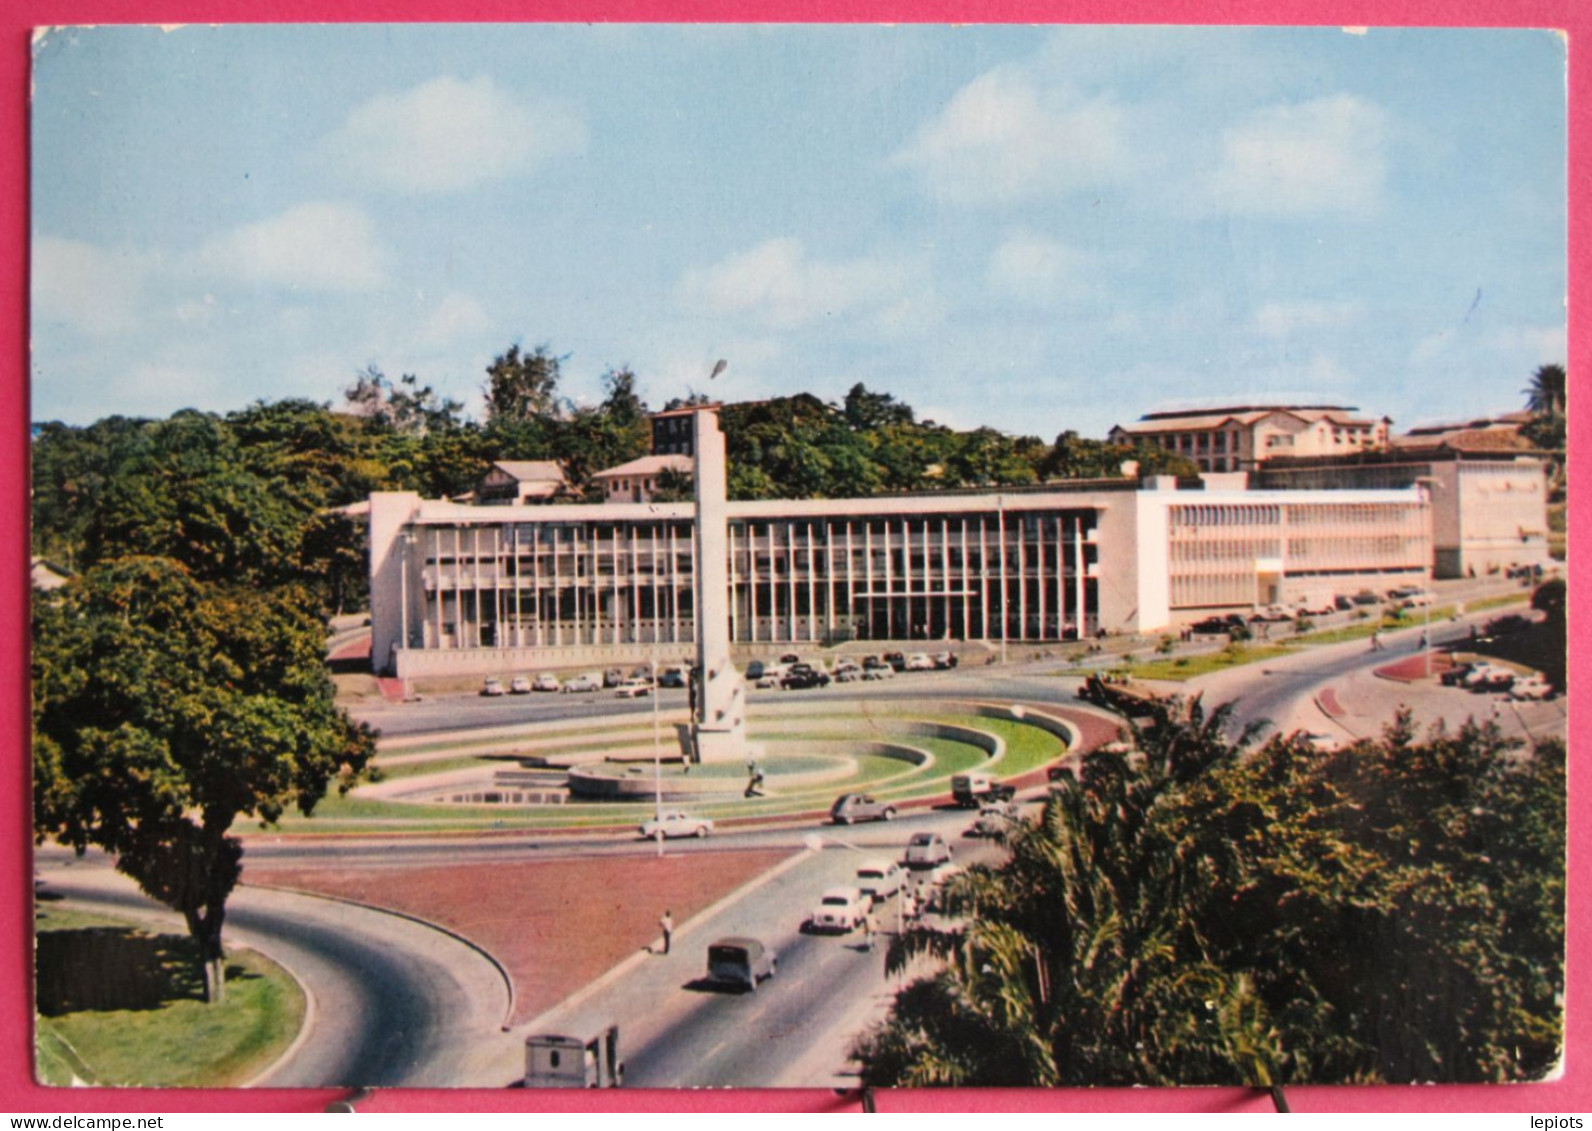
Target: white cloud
314	247
1004	138
1323	156
1034	268
1549	343
776	283
447	134
1285	319
88	288
456	316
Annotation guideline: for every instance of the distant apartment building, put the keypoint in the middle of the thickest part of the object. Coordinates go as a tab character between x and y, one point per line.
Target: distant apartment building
458	588
1243	437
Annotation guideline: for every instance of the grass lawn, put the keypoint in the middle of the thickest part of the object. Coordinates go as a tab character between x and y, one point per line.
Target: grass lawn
119	1006
1187	667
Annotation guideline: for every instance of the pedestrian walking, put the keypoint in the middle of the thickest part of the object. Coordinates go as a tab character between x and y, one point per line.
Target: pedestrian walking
1376	641
867	931
1421	644
666	925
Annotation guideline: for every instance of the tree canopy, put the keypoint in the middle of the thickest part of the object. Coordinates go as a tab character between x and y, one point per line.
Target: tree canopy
1208	912
164	709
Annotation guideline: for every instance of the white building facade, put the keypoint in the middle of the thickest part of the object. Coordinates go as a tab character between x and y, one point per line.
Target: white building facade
460	589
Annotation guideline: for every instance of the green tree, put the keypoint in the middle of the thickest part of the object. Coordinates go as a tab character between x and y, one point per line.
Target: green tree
1203	911
165	708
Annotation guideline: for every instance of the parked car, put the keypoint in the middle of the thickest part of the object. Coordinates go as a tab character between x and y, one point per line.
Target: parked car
1531	687
673	822
896	660
754	670
847	672
1272	613
1342	604
879	879
839	910
927	850
1488	677
874	668
849	808
519	685
1455	675
1420	599
944	660
633	688
741	961
672	677
919	662
773	676
492	686
994	820
790	658
801	676
969	790
1366	597
613	677
545	681
1213	625
587	681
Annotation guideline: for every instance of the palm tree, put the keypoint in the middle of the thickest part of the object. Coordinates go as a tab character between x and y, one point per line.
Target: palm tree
1545	396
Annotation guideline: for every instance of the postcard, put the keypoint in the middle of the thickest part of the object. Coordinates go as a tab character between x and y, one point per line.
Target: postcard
798	556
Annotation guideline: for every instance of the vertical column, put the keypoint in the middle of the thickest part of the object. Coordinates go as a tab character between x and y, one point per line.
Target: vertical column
719	726
829	579
1080	613
967	613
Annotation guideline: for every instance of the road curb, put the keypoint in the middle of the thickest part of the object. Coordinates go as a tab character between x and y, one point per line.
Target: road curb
508	982
311	1008
614	973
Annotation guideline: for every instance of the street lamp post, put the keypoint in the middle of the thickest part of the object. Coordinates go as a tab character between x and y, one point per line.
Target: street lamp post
657	757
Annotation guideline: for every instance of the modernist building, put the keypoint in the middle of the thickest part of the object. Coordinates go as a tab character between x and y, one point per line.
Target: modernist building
458	588
1489	510
1243	437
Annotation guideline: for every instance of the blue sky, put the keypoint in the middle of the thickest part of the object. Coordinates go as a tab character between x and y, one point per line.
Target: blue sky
1027	227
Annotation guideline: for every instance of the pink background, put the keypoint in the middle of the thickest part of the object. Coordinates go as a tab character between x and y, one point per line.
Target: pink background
18	1093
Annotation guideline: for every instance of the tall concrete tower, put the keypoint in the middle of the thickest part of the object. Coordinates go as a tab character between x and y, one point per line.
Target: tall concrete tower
719	727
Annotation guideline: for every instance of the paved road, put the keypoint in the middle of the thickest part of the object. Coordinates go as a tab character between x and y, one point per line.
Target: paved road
796	1030
395	1003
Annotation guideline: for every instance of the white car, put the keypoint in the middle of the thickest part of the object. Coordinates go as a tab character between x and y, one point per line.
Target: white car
920	662
587	682
847	672
839	910
994	820
927	850
492	687
633	689
545	681
933	890
1531	687
880	879
673	823
519	685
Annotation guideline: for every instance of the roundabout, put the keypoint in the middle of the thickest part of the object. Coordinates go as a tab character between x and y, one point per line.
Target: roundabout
611	772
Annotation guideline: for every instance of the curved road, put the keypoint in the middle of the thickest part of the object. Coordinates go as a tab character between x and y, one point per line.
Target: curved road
394	1002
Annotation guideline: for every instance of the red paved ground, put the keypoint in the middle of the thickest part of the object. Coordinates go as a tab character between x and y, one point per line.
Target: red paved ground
1412	668
555	924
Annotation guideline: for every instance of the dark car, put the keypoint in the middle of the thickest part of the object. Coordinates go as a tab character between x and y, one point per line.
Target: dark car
849	808
741	961
671	677
802	676
1212	625
896	660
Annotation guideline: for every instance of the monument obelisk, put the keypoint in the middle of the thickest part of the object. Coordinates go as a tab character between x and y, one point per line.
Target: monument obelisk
719	726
